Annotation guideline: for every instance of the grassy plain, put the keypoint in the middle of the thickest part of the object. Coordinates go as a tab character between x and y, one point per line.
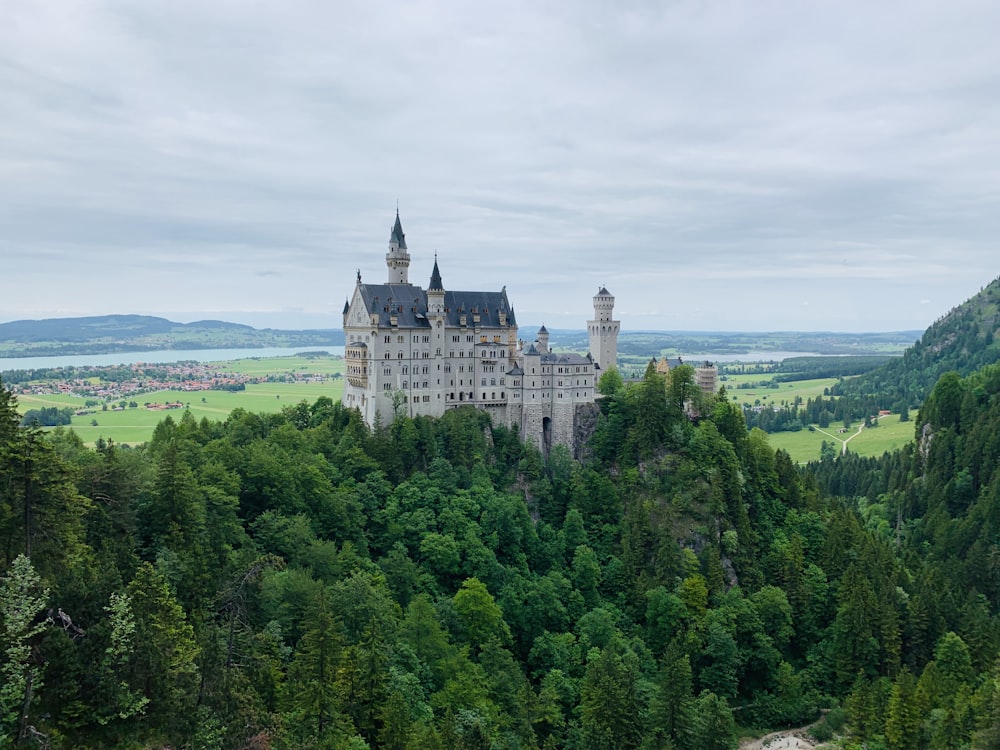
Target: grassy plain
804	445
134	426
764	391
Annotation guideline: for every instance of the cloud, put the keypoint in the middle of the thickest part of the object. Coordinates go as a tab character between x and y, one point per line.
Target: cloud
713	158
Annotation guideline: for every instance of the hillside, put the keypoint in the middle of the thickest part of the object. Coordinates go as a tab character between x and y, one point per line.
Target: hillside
964	340
123	333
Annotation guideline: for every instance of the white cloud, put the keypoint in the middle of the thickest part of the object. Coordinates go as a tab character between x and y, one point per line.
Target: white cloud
709	163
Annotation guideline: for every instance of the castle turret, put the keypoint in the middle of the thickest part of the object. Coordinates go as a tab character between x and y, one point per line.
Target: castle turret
435	292
604	331
543	340
397	260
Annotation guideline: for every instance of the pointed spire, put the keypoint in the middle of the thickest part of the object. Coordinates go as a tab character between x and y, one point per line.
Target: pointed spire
347	306
436	285
397	235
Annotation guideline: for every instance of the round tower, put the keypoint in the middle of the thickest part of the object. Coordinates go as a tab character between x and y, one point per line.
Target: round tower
543	340
603	330
397	260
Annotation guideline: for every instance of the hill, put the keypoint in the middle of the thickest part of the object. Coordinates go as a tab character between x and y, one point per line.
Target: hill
964	340
121	333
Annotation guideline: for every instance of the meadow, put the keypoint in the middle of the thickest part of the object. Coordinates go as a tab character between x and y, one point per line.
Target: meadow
804	445
135	426
760	389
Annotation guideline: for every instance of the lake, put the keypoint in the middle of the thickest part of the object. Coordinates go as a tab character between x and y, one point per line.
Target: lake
160	356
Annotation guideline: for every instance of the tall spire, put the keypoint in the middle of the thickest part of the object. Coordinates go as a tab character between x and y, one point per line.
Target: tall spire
436	285
397	233
397	260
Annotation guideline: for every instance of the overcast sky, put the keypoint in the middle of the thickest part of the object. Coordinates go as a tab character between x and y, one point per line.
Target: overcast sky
723	165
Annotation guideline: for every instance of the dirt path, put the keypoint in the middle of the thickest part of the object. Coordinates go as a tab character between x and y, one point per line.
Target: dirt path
796	738
843	441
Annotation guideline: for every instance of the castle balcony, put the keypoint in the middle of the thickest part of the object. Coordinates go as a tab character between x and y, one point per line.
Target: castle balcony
358	381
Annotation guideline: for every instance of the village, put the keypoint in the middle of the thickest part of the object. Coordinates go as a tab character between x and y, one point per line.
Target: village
121	383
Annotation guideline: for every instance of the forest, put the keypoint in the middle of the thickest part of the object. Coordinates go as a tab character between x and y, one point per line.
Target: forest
298	580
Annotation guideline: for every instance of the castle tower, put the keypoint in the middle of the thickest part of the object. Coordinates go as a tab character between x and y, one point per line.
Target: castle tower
604	331
397	260
543	340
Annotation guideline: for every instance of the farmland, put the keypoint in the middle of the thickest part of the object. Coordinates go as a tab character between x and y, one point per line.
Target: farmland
274	383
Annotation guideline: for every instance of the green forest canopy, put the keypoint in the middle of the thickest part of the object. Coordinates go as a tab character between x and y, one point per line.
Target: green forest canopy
299	580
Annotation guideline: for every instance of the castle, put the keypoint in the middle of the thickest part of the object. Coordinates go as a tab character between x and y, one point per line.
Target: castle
421	352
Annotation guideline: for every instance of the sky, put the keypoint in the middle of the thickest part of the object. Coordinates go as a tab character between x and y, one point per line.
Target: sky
717	165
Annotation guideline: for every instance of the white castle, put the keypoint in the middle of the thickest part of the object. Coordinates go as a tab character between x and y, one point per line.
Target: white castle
421	352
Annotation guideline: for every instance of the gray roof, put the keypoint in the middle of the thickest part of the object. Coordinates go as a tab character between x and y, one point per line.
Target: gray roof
409	304
602	292
436	284
566	358
397	233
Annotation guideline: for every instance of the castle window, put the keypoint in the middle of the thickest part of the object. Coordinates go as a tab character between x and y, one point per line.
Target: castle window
405	384
484	381
388	339
399	339
400	355
406	370
387	355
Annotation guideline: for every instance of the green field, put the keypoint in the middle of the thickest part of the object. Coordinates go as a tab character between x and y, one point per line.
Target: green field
765	392
263	367
804	445
136	426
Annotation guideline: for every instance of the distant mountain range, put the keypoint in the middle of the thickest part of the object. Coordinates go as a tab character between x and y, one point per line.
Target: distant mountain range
129	333
107	334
